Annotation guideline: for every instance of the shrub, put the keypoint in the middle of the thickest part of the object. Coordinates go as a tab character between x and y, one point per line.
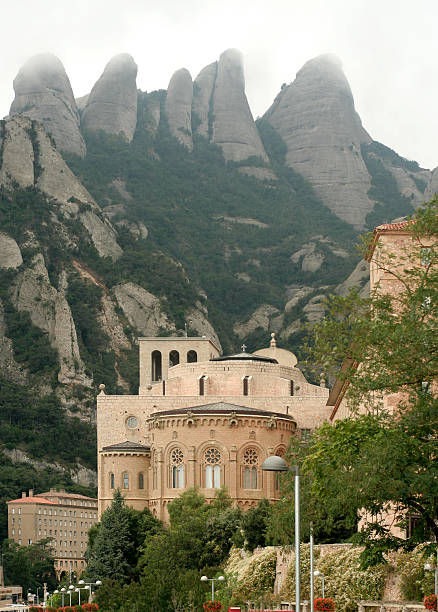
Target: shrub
212	606
324	604
430	602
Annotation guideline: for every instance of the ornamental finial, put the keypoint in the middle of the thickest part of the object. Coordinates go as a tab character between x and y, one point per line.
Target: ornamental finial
273	342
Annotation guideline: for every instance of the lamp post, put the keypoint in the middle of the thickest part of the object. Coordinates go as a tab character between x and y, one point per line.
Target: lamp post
311	567
88	585
278	464
70	589
429	567
63	590
212	580
320	575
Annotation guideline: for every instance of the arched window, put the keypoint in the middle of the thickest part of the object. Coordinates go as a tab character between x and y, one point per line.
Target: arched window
173	358
202	384
155	472
125	480
192	357
156	366
177	468
112	481
250	462
141	481
246	385
212	461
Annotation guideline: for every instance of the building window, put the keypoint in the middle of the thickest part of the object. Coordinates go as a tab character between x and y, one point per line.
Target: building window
125	480
156	366
250	462
246	385
111	481
140	481
202	385
291	388
177	467
173	358
192	357
132	422
212	460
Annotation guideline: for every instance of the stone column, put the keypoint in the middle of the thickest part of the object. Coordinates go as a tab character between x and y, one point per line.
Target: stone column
191	467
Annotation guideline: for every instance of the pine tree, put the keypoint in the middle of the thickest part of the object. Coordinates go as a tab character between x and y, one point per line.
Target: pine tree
108	557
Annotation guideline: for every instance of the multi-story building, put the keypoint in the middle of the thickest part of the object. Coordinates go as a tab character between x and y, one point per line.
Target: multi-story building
202	419
64	518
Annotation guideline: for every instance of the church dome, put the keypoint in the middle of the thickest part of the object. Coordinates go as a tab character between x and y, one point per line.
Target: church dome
278	355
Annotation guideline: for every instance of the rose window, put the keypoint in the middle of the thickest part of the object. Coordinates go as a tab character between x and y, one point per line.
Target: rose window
177	456
250	457
212	456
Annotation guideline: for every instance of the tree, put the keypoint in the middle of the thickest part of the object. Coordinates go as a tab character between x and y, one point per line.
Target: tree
254	525
29	566
382	460
112	546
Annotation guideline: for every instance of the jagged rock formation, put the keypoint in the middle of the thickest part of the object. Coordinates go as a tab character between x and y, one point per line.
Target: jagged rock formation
178	107
112	104
260	318
202	99
43	92
8	366
48	308
315	116
142	309
30	159
358	278
432	187
10	254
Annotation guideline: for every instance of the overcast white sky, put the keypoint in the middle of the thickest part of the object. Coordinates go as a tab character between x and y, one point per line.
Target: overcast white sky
389	50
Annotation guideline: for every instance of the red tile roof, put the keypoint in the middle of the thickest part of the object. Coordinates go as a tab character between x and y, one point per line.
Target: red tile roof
67	495
387	227
32	500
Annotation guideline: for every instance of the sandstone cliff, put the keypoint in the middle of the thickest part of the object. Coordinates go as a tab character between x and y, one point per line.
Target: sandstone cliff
178	107
315	116
43	92
112	103
202	98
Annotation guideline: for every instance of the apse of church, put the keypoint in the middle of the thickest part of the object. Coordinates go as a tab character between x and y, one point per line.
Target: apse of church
202	419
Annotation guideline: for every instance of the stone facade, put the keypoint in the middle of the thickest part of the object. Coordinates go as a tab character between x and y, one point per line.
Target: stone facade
202	420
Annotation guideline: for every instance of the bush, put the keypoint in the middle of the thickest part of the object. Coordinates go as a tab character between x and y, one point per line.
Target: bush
324	604
430	602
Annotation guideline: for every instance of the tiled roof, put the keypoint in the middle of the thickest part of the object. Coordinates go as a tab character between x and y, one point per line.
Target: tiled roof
67	495
222	408
387	227
32	500
127	445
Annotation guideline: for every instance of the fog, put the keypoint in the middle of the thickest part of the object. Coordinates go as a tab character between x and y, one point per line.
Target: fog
388	50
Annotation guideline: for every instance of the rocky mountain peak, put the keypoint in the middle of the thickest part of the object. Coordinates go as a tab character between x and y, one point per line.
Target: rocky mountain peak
43	92
179	106
316	117
112	103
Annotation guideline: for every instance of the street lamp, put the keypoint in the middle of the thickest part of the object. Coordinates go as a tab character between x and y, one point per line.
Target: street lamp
278	464
316	573
63	590
70	589
212	580
88	585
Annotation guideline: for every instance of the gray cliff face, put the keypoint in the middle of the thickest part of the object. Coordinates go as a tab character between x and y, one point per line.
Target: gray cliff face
432	186
112	104
43	92
315	116
178	107
202	97
233	125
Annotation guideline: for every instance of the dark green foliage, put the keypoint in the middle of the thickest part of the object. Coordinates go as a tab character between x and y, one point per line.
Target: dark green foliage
112	546
273	143
254	525
389	201
40	426
392	157
420	183
29	566
33	135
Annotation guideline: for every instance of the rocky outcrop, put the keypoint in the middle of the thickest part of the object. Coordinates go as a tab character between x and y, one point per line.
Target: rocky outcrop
197	319
260	318
112	104
10	254
316	118
43	92
29	158
315	309
358	278
8	366
311	260
233	125
142	309
178	107
203	87
79	474
432	186
49	310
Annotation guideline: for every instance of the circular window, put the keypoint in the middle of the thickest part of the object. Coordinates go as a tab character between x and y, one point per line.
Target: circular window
132	422
177	456
212	456
250	456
